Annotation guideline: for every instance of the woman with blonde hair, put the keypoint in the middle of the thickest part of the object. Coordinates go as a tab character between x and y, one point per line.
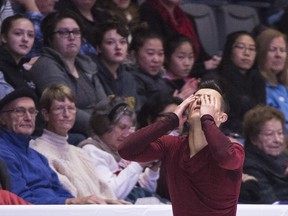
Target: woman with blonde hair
273	64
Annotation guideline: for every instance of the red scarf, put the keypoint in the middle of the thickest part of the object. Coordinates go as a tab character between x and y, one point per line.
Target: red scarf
183	24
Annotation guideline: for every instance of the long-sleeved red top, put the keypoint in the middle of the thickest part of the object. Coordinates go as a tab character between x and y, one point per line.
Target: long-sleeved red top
207	183
8	198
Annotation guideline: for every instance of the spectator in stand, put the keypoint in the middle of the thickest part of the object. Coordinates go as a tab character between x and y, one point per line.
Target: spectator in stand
148	51
111	122
31	177
111	41
91	16
36	10
6	197
61	63
240	80
17	37
72	165
273	64
179	60
266	156
167	19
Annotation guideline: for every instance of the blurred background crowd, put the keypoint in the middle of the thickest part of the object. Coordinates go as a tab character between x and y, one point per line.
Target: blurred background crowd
94	71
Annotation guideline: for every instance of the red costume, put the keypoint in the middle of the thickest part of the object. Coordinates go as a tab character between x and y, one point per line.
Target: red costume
207	183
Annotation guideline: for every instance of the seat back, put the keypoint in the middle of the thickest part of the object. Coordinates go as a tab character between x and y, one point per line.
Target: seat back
232	17
4	177
206	25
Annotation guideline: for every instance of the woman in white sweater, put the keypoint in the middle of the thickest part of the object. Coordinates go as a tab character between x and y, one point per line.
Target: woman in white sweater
112	121
72	165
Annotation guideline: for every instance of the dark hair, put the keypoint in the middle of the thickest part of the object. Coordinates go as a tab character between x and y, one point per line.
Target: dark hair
7	22
113	8
226	63
111	24
154	106
108	112
50	22
172	45
140	35
107	4
211	84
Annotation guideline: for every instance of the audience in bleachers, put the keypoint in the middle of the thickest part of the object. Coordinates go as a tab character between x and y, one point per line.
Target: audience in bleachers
166	60
111	41
111	122
273	64
168	20
61	63
179	60
266	156
72	165
240	79
31	177
17	37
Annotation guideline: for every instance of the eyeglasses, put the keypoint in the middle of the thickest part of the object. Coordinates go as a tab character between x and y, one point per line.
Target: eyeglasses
270	134
66	33
62	109
243	48
279	49
21	111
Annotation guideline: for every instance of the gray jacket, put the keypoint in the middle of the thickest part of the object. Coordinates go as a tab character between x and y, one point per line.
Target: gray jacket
51	68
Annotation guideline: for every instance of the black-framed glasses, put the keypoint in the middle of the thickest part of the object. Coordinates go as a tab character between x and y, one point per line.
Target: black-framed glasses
21	111
243	48
65	33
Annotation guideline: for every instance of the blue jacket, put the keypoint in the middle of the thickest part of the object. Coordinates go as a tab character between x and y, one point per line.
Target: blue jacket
31	177
277	96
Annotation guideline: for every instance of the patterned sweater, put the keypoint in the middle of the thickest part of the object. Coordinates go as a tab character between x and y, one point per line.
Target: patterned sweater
72	165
